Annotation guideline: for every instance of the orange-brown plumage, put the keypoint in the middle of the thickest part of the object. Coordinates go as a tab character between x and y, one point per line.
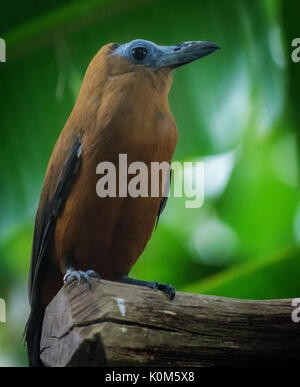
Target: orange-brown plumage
122	108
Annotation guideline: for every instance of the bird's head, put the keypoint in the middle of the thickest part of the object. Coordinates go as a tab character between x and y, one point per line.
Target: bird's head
155	57
140	64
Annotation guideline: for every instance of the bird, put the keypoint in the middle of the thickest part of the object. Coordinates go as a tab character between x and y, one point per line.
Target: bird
122	108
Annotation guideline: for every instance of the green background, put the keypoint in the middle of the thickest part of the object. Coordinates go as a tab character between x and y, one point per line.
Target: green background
237	110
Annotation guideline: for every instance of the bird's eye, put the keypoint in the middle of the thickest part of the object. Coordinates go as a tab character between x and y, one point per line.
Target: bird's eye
139	53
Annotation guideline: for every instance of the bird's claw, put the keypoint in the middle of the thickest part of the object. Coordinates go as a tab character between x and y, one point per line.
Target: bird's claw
168	289
80	276
155	286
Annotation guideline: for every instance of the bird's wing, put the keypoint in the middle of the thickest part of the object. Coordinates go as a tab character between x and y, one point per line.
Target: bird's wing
50	206
165	197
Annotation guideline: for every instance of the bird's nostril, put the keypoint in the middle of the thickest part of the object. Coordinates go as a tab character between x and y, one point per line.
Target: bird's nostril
178	47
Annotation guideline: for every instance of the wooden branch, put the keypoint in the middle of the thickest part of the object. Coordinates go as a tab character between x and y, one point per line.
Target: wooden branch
124	325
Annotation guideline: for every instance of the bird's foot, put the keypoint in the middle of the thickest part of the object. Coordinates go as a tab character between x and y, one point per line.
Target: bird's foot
80	276
168	289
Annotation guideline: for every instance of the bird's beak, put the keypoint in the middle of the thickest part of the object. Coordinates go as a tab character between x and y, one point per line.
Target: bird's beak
183	53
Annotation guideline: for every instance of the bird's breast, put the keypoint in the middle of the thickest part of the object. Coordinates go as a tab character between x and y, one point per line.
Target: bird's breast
114	230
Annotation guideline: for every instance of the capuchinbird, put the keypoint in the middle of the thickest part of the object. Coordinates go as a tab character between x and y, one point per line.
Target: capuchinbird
122	108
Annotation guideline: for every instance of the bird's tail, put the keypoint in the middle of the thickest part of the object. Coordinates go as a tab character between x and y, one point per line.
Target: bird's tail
32	336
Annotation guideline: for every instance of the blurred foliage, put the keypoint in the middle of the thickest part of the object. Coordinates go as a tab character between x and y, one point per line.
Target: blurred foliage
238	110
257	279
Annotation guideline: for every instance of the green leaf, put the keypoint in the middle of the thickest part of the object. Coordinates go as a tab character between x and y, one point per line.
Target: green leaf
275	276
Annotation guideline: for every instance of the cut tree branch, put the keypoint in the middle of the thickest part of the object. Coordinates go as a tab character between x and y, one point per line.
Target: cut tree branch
114	324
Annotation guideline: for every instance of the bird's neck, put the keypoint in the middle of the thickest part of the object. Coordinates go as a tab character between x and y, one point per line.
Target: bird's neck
144	90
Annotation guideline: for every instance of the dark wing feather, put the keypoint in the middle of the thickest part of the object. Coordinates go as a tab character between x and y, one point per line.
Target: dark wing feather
45	226
46	218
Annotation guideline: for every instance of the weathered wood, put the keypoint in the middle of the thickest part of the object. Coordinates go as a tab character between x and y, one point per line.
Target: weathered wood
124	325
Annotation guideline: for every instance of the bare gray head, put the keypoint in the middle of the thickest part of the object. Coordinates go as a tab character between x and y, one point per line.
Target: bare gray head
146	53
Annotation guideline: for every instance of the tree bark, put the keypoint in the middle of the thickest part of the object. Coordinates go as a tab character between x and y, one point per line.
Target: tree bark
115	324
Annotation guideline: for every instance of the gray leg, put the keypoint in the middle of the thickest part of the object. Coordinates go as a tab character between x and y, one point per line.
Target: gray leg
168	289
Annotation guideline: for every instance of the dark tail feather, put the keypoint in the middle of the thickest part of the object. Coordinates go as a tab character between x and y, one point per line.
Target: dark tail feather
32	335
